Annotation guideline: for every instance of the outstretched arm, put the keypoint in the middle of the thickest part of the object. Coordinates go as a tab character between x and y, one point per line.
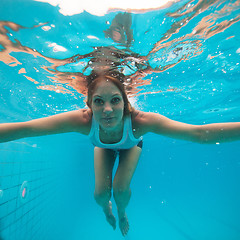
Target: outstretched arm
74	121
209	133
219	132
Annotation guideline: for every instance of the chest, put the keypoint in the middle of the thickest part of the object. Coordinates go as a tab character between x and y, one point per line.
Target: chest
116	137
110	138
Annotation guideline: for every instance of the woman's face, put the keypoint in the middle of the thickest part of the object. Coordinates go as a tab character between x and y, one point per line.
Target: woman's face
107	105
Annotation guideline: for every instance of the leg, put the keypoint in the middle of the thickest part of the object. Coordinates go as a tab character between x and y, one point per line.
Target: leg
128	160
104	160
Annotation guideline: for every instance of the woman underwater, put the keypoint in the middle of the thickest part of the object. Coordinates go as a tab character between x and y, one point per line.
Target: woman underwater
114	127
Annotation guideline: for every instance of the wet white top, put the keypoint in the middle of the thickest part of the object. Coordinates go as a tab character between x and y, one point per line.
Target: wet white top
128	140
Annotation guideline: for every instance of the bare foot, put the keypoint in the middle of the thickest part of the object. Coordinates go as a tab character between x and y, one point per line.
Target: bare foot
109	215
123	223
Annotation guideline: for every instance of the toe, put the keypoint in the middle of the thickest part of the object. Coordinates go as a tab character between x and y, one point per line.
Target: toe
124	226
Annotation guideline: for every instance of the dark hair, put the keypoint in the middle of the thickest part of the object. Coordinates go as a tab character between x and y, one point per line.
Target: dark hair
113	76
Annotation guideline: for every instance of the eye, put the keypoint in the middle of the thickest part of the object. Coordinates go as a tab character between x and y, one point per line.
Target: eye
116	100
98	101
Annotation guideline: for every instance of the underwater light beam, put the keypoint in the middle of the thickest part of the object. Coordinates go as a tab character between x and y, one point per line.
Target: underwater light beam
101	7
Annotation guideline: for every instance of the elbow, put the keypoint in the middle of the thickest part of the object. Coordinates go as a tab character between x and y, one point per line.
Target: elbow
199	136
202	140
203	136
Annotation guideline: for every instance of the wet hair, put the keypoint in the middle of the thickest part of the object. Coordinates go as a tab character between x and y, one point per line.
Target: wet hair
114	77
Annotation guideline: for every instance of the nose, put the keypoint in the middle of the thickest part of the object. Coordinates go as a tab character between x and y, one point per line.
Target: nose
107	108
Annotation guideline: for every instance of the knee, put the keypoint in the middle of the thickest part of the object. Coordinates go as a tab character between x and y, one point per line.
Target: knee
102	195
120	189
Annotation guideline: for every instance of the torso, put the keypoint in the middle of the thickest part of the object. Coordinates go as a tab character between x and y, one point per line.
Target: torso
137	126
110	138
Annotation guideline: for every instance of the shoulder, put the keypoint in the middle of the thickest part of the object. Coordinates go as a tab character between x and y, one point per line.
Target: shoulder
145	122
81	119
142	118
86	115
141	122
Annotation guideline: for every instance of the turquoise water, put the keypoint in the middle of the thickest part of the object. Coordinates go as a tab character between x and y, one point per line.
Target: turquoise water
185	65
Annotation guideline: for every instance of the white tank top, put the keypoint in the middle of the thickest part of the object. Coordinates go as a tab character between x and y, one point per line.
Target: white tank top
127	141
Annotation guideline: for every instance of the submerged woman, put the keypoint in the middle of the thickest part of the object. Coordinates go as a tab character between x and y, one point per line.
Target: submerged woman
114	127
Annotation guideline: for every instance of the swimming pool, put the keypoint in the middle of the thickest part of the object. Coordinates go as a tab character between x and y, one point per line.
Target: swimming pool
183	62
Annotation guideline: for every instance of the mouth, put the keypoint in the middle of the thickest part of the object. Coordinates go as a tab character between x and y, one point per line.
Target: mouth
108	119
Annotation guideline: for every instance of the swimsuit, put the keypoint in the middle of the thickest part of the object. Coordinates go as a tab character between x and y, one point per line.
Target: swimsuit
128	140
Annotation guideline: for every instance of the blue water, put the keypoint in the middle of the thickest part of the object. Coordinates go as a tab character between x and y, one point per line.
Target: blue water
189	57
